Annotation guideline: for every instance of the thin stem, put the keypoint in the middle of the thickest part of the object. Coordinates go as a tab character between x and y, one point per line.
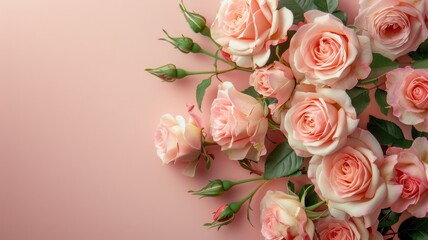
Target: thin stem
206	144
216	57
210	72
244	69
253	192
248	180
214	41
315	206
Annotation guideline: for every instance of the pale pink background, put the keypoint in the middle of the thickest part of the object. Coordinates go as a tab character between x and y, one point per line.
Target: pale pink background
77	116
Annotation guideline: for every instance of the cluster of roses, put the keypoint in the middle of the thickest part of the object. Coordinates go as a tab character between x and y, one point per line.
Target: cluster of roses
304	95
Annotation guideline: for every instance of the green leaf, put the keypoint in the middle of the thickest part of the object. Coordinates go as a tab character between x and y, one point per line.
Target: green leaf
380	66
420	64
252	92
200	91
420	53
281	48
291	187
282	162
388	218
387	133
414	228
380	96
360	98
311	196
367	82
416	133
298	8
327	6
341	15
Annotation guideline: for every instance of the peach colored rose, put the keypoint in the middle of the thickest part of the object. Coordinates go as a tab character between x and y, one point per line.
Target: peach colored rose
319	120
284	217
238	123
177	140
350	180
395	27
405	167
274	81
325	52
331	228
407	93
247	28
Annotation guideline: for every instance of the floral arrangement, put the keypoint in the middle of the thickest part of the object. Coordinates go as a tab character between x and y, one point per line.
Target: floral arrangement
310	77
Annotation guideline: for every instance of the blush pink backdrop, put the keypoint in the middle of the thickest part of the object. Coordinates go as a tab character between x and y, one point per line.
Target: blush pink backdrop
77	117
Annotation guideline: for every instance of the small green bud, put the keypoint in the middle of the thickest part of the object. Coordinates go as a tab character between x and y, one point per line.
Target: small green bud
184	44
196	21
168	73
214	188
224	215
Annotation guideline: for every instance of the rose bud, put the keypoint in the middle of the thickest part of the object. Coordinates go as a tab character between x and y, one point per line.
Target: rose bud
184	44
196	21
168	73
225	214
214	188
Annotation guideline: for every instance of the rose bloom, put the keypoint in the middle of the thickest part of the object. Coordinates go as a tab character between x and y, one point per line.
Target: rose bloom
350	180
325	52
238	124
405	167
177	140
331	228
284	217
319	120
247	28
395	27
407	93
274	81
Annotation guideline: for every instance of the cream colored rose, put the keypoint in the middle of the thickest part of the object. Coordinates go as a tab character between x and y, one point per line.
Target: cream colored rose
395	27
177	140
274	81
238	123
247	28
284	217
324	52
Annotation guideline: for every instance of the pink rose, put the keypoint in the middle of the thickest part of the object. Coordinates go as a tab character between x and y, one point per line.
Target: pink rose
274	81
405	167
284	217
238	123
331	228
407	90
177	140
319	120
395	27
325	52
247	28
350	180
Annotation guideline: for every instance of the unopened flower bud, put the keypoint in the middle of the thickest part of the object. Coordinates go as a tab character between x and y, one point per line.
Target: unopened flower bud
168	73
184	44
196	21
214	188
225	214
